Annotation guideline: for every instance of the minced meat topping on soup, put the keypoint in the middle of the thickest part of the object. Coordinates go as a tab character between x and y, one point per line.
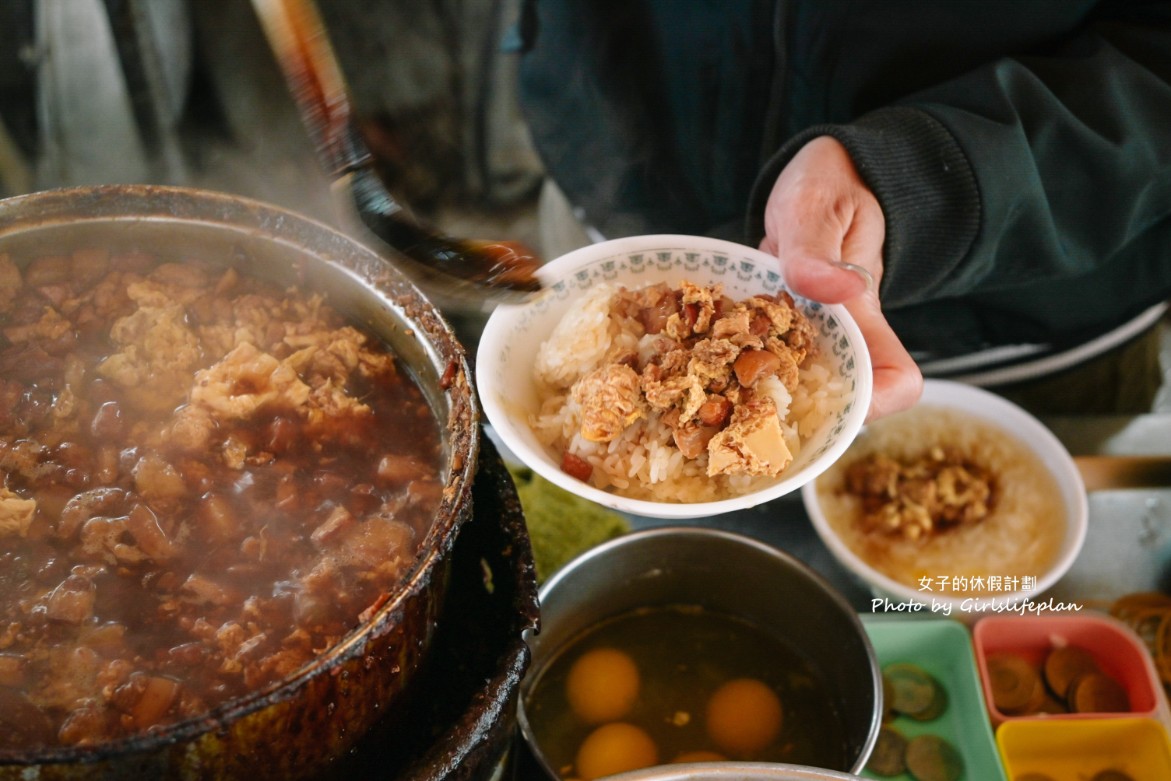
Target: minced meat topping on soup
205	481
937	490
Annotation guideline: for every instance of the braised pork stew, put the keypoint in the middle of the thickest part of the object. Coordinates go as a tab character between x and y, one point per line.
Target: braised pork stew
205	481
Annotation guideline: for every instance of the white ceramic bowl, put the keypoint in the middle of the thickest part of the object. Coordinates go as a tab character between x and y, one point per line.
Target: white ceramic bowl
510	340
982	404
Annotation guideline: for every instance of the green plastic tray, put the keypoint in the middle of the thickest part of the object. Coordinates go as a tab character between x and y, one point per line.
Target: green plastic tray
942	647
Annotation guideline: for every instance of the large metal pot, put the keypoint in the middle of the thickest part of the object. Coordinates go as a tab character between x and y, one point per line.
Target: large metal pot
459	723
294	727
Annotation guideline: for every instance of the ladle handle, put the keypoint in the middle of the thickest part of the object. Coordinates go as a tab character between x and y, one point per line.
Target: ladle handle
306	58
495	270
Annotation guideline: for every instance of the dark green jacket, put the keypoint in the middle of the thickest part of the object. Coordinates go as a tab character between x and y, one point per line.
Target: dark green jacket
1021	149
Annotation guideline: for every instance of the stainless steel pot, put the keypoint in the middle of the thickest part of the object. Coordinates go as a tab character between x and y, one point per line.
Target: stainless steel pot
293	728
725	573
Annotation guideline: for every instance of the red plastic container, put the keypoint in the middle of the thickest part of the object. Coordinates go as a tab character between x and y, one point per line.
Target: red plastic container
1116	648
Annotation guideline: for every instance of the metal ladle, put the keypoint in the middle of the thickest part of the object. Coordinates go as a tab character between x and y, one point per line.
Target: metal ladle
477	272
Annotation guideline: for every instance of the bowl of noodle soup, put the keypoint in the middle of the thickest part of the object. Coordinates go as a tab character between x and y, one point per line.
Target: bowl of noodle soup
593	386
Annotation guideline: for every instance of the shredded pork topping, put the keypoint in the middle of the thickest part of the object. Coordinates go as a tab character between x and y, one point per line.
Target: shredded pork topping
702	368
939	490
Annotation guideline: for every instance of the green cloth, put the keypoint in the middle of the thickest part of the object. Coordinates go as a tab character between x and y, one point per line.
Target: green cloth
561	525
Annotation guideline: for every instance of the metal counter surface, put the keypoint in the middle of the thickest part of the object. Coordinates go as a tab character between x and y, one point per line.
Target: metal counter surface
1128	544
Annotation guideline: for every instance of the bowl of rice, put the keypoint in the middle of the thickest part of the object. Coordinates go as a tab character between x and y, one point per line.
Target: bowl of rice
964	504
673	377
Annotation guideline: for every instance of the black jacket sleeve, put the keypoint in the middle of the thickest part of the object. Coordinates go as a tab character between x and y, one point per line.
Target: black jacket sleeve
1038	183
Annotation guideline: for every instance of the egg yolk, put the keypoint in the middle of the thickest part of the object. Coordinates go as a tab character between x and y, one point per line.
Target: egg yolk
615	748
699	756
744	716
602	685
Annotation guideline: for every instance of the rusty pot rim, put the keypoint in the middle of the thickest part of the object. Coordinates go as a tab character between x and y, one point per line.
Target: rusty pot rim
134	203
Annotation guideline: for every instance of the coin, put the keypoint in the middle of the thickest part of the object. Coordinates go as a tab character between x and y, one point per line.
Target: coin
931	758
1065	664
1097	692
1049	704
889	755
913	689
1014	681
935	708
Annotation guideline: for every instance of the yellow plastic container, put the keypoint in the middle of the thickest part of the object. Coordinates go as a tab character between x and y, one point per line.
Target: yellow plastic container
1077	750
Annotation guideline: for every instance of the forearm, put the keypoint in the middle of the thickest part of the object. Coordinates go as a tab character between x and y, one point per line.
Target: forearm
922	180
